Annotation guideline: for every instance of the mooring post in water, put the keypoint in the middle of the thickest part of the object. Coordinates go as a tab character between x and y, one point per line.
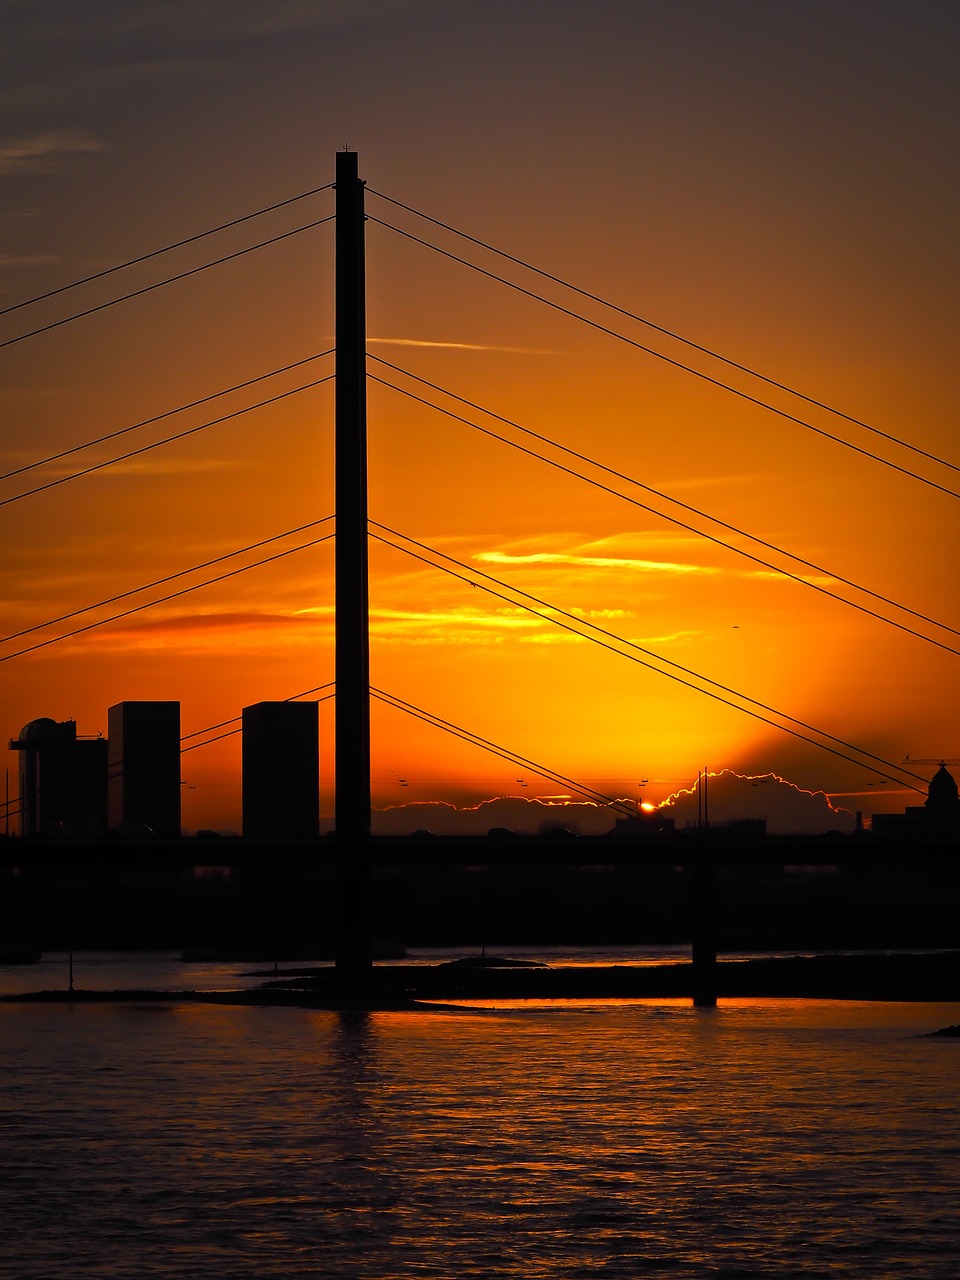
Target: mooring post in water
352	628
703	890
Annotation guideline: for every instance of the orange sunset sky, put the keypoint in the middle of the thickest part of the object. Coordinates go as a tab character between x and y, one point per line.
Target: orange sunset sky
777	183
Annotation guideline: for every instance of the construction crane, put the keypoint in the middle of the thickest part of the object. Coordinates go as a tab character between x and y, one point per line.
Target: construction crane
938	760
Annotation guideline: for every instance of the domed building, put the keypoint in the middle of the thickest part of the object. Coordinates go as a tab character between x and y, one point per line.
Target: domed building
943	796
937	818
63	780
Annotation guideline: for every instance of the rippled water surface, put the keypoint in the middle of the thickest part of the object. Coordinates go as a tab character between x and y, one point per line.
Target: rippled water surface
766	1139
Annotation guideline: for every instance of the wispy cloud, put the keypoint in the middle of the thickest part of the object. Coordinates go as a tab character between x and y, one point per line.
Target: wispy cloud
637	564
669	637
46	152
216	632
154	465
204	622
254	628
158	39
229	20
630	541
442	617
464	346
515	813
627	544
518	626
162	466
593	562
606	614
26	259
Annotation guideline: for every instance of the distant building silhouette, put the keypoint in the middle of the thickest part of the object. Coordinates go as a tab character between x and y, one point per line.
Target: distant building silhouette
143	790
643	825
281	771
63	780
939	815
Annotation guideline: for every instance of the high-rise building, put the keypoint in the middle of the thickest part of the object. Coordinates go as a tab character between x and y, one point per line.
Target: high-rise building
281	771
143	790
63	780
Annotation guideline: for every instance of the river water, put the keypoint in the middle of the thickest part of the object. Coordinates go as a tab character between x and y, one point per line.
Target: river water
768	1139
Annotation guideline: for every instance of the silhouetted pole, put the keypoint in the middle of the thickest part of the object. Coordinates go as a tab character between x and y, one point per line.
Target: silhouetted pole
706	798
702	883
352	636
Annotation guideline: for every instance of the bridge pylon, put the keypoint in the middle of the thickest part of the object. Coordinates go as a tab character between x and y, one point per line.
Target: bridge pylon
352	747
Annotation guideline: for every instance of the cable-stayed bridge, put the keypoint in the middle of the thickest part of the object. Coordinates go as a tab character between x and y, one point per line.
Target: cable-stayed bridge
356	366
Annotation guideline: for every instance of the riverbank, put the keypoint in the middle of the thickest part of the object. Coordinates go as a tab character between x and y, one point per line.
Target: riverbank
880	976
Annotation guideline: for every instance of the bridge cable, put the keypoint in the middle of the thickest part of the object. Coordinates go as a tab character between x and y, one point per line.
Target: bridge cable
179	244
619	475
158	582
197	733
639	346
233	732
428	718
180	435
669	333
193	404
673	520
159	284
467	736
164	599
717	697
583	622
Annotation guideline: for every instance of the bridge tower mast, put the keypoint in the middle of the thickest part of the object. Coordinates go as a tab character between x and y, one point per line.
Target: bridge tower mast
352	748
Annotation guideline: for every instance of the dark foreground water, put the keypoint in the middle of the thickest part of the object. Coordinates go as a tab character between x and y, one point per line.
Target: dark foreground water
767	1139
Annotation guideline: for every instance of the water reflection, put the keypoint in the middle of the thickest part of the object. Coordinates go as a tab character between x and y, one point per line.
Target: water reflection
774	1138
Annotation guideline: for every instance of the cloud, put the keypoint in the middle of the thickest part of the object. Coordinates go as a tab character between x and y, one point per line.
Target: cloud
54	55
606	614
592	562
227	19
120	24
451	626
214	622
474	626
46	152
632	539
453	617
215	631
464	346
26	259
166	466
785	806
670	637
159	465
515	813
641	564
